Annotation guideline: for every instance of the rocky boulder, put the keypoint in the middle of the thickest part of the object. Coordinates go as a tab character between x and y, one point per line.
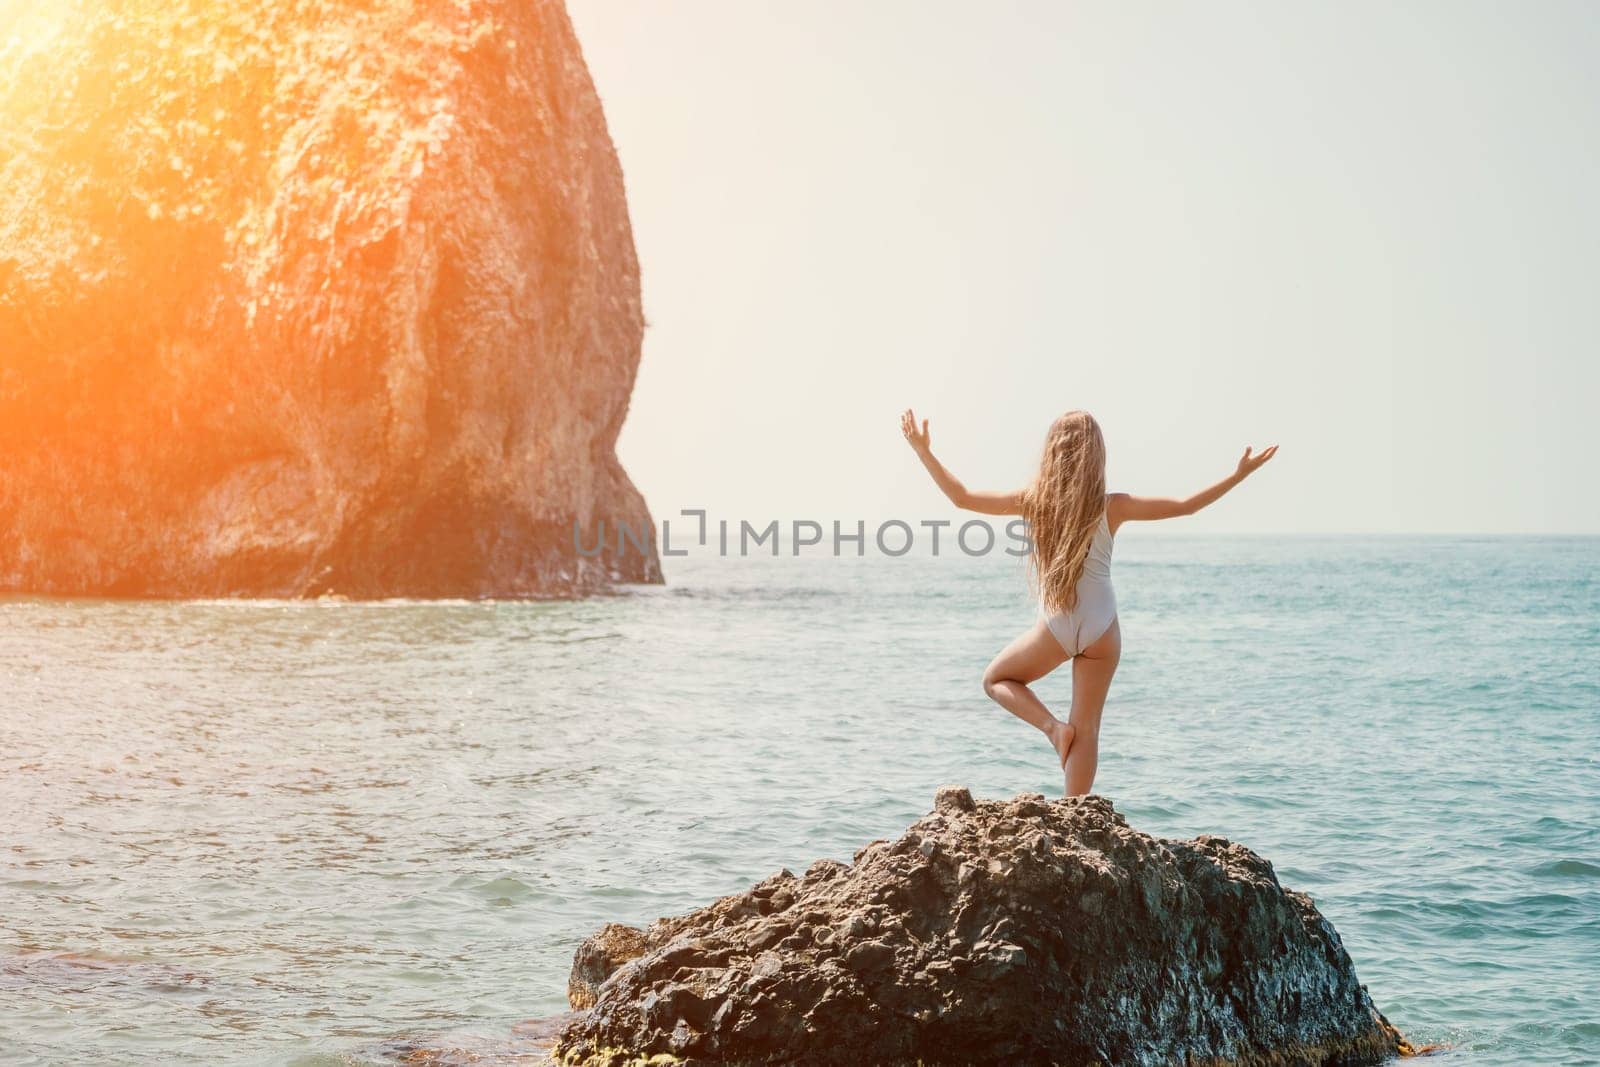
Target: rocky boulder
990	932
310	298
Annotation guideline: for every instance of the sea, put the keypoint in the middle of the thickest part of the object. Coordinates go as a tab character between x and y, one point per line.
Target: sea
337	832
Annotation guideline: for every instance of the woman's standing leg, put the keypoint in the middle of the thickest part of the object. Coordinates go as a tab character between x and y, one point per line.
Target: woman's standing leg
1091	680
1027	659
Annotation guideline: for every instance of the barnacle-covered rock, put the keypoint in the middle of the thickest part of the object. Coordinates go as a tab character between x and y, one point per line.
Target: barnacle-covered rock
992	932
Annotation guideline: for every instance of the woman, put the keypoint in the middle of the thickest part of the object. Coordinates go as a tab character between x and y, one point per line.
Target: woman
1072	521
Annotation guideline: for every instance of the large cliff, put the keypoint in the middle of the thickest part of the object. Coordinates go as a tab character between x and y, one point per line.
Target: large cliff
322	296
990	932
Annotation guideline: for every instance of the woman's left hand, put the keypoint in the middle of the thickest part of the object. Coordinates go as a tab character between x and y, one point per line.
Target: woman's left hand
1249	464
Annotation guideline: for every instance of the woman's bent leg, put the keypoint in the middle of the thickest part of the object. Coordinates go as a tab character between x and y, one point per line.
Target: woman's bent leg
1027	659
1091	680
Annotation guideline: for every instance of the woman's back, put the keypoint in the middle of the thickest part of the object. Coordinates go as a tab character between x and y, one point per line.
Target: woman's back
1092	615
1098	563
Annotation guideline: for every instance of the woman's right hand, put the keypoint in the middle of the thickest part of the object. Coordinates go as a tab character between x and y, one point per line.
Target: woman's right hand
908	426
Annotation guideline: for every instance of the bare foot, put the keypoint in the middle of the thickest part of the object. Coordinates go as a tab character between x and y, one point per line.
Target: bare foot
1061	735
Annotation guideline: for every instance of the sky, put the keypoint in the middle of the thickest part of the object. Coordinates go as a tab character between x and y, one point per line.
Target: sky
1367	232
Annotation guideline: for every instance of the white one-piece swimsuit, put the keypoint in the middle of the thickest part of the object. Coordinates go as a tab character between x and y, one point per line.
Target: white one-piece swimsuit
1097	601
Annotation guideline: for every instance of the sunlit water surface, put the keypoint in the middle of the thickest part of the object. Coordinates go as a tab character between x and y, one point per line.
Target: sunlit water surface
270	832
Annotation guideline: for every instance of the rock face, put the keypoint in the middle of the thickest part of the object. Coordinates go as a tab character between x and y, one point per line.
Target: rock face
307	298
992	932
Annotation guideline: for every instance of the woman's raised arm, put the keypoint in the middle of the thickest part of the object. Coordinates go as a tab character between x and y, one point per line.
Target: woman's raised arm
1125	507
949	484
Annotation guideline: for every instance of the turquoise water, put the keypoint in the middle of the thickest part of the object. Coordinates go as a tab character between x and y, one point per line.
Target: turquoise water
272	832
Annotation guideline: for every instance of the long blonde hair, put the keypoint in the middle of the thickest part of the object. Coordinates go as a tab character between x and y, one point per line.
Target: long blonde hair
1063	506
